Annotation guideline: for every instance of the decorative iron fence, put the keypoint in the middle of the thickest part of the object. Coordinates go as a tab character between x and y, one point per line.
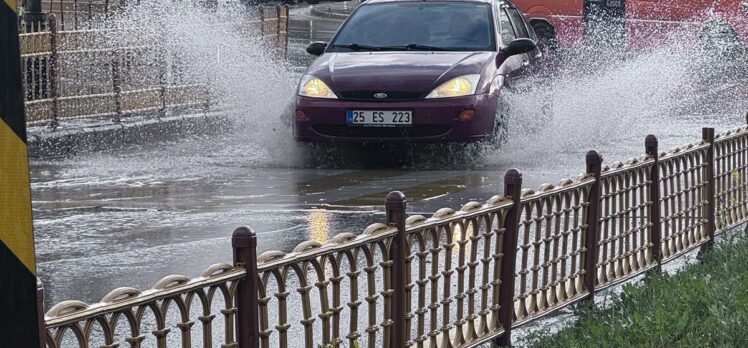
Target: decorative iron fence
456	278
130	306
103	73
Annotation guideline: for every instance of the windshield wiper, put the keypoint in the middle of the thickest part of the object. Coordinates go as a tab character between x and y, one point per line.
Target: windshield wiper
357	47
409	47
425	48
414	47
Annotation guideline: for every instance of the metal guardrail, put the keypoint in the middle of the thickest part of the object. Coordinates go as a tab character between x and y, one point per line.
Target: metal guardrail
71	74
457	278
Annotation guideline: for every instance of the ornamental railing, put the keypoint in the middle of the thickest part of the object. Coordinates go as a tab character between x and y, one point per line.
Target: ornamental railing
191	301
111	73
457	278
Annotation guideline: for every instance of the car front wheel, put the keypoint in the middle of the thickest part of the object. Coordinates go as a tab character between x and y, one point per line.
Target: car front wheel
546	34
500	127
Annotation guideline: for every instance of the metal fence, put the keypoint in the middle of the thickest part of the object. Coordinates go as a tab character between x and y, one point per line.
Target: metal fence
84	73
456	278
73	14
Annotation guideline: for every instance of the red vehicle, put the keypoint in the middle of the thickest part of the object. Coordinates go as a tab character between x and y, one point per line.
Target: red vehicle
563	23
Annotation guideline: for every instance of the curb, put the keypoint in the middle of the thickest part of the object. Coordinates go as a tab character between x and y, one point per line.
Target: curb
115	136
317	11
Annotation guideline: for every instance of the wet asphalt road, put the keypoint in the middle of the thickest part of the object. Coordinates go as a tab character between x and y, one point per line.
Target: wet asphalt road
129	217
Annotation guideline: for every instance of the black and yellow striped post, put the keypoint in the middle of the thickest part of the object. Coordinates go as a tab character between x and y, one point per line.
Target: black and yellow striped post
19	326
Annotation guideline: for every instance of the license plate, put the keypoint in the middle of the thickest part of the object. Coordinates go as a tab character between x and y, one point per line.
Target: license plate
379	117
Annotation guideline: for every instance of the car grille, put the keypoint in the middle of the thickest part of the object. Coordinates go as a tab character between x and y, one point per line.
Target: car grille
426	130
391	95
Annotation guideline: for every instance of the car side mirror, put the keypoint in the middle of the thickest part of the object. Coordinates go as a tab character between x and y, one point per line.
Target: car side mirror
316	48
519	46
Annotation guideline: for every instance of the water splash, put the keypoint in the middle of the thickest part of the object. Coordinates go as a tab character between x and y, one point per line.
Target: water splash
220	47
598	97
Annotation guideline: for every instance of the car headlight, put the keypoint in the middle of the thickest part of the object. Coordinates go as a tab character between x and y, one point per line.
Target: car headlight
313	87
456	87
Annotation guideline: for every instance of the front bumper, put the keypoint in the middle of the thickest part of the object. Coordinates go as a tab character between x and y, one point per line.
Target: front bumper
434	120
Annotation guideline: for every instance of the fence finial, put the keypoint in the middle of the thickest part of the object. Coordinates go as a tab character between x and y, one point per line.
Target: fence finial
395	201
707	134
651	145
512	177
594	161
243	237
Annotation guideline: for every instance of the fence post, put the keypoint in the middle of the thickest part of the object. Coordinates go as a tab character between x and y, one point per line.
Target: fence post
244	244
278	14
395	217
594	167
652	150
40	313
261	10
285	36
709	190
75	14
116	87
62	15
54	72
162	81
278	21
512	190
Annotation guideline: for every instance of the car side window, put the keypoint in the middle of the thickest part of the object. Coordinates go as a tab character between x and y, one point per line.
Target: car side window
518	23
507	32
533	35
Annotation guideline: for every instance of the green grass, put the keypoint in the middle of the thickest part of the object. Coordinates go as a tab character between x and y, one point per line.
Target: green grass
703	305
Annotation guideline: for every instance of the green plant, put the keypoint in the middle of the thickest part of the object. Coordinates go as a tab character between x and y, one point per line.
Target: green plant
706	304
337	345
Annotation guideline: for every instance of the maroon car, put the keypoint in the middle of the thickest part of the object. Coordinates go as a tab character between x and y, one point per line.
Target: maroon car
415	71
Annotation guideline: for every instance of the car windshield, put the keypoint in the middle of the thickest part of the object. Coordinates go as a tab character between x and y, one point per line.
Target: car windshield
428	26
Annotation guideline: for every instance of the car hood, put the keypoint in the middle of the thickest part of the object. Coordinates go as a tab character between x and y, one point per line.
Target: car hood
396	71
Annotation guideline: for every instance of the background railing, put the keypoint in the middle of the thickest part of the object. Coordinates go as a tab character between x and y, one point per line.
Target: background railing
73	14
456	278
104	71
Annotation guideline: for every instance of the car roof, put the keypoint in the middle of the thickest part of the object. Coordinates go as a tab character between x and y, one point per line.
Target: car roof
479	1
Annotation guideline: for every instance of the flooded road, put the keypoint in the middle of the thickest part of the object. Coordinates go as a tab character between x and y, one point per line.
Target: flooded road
129	217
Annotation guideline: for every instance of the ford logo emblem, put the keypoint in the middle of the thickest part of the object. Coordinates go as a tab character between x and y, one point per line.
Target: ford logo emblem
380	95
